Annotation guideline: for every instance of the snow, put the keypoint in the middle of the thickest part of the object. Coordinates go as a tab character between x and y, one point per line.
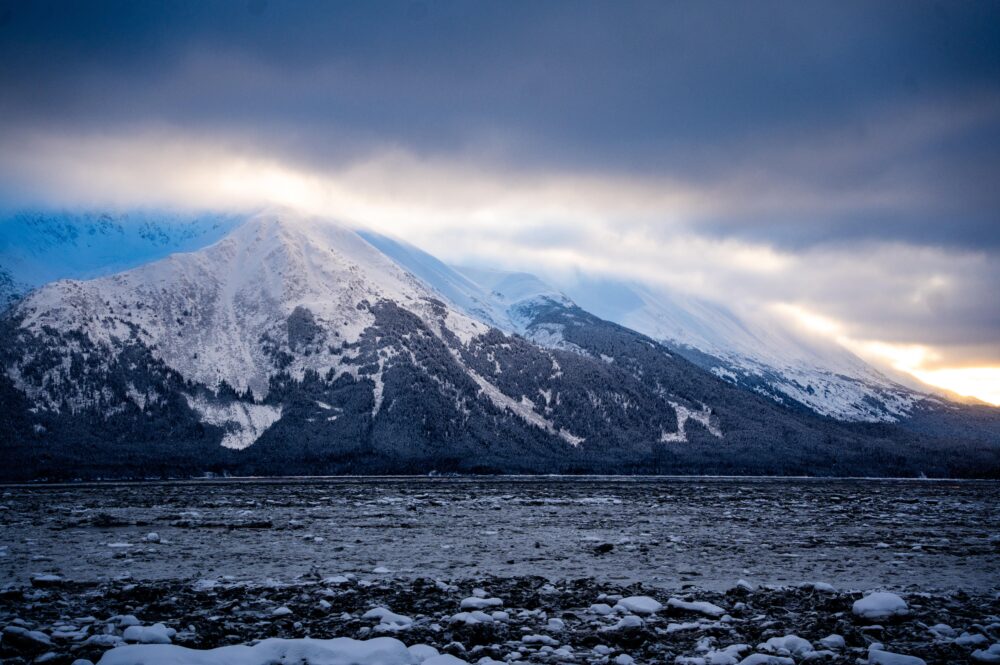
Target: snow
337	651
684	414
880	605
701	607
243	422
639	605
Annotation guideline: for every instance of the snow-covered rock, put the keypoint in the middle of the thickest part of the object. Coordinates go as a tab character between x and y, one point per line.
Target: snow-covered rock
337	651
700	607
880	605
991	655
787	645
833	641
880	657
388	618
155	634
476	603
639	605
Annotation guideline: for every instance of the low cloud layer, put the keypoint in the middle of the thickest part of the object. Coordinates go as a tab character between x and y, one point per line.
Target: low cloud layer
841	159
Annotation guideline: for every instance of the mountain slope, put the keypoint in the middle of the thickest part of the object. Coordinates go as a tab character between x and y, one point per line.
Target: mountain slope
760	355
296	346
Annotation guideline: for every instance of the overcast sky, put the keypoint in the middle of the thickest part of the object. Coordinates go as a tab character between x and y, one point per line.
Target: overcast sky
840	161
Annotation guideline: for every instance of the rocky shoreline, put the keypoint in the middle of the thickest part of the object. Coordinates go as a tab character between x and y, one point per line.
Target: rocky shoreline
506	619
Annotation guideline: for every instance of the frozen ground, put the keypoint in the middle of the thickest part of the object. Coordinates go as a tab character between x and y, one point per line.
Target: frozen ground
668	533
501	572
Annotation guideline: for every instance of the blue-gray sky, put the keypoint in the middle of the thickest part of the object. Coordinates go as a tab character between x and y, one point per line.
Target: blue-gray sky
842	157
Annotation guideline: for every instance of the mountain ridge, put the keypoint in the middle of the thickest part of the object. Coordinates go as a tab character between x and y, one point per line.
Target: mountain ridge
294	345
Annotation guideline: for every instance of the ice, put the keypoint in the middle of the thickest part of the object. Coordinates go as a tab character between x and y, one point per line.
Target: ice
880	605
155	634
639	605
281	611
337	651
697	606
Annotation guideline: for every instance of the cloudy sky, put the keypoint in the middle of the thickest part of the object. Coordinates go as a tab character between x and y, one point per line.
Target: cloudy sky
838	163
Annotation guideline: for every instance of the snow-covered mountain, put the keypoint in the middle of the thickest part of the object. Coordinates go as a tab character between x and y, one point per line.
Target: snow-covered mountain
38	248
294	345
760	353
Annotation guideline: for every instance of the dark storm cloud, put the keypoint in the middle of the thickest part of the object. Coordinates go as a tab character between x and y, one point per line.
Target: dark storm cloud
882	119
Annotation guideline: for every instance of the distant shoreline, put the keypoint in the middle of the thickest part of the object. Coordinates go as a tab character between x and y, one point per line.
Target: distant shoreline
624	478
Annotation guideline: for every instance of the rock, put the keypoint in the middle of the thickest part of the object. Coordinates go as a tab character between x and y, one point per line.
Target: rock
24	640
603	548
49	580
